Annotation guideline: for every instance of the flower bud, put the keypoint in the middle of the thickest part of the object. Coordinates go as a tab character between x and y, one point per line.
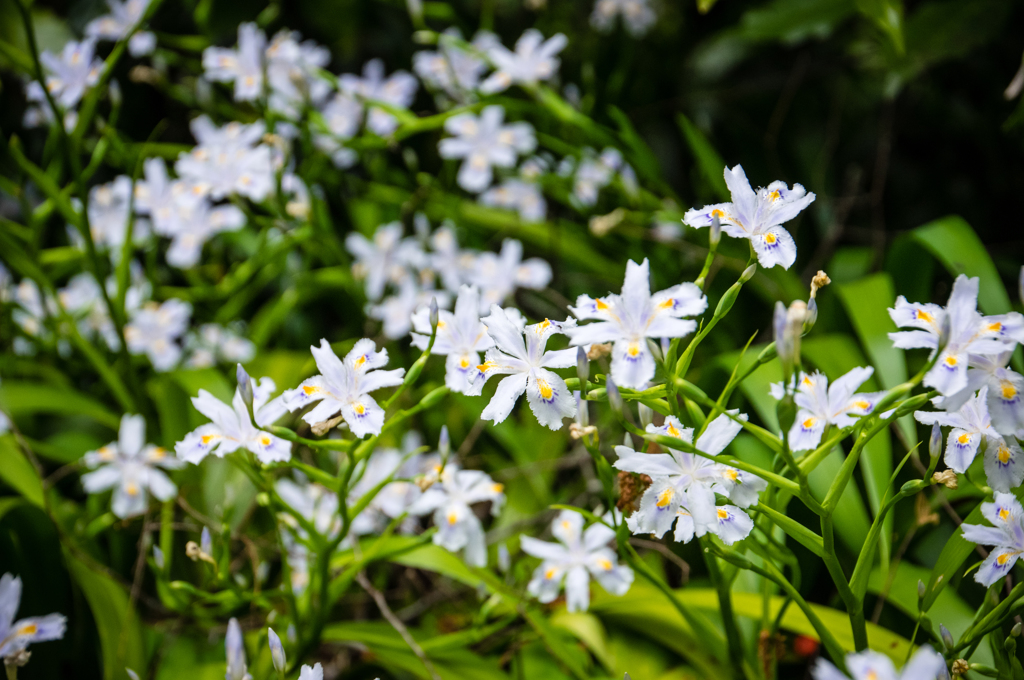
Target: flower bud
646	415
812	315
748	273
291	633
582	365
935	442
444	444
715	235
116	97
235	651
504	561
244	385
666	345
433	315
276	651
947	637
960	667
920	592
1015	631
614	398
158	557
206	542
132	675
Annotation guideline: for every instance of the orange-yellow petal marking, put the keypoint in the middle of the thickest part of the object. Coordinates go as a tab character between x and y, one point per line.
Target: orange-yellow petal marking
664	498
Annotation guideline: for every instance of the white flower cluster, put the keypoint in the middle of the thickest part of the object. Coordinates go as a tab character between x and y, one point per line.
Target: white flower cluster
594	172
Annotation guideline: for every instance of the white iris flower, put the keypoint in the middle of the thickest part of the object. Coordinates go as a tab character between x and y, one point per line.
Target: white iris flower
123	17
1004	461
969	333
524	197
684	485
385	259
527	365
397	90
637	16
457	526
926	664
15	636
461	336
533	61
1006	535
1005	405
232	427
484	142
576	557
633	316
234	648
757	216
131	465
821	405
345	386
498	275
154	330
242	66
228	160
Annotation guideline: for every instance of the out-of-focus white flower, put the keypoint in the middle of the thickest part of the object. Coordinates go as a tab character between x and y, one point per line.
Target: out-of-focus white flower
213	344
821	405
15	636
632	317
396	311
484	142
926	664
232	428
242	66
526	365
108	216
234	648
1005	404
123	17
346	386
341	117
637	16
969	333
293	73
533	61
228	160
315	672
131	465
397	90
667	232
453	69
68	76
757	216
524	197
1004	461
154	330
596	172
460	336
684	485
1006	534
457	526
576	557
499	275
195	225
386	259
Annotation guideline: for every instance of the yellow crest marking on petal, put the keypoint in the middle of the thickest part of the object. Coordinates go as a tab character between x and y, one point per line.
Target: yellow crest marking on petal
310	389
951	361
360	361
669	303
486	366
1004	514
731	474
359	409
28	629
605	564
452	518
774	196
497	488
665	497
720	214
723	513
633	350
265	440
809	423
1003	559
1008	390
464	363
550	573
1003	454
673	430
770	238
862	405
601	305
923	316
132	489
964	438
545	389
995	327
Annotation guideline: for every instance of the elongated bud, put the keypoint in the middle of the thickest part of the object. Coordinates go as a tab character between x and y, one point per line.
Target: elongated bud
276	651
115	93
244	385
614	398
433	315
715	235
920	592
206	542
666	345
132	675
812	315
582	365
504	561
935	442
291	634
158	557
444	443
646	415
235	651
1015	631
748	273
947	637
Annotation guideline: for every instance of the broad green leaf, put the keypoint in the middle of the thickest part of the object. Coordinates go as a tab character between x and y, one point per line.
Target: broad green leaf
888	16
956	245
641	609
185	657
18	472
793	21
437	559
25	398
391	651
948	609
709	163
589	630
119	629
950	560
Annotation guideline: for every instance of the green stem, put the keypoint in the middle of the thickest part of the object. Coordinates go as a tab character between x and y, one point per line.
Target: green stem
854	605
732	632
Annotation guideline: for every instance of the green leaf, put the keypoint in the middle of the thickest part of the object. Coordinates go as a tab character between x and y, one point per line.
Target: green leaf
437	559
956	245
951	558
793	21
709	163
25	398
888	16
119	629
18	472
589	630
